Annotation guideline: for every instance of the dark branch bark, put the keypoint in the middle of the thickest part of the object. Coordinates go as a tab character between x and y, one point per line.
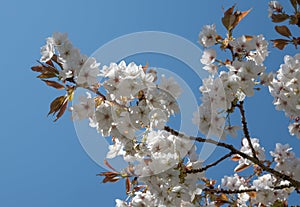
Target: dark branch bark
230	147
210	165
245	127
243	190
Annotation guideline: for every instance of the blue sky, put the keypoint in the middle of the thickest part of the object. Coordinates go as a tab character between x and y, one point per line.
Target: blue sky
43	163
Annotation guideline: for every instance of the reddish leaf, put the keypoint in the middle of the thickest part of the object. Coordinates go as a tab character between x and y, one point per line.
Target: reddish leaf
109	166
38	68
137	188
128	185
49	62
294	4
145	67
241	167
283	30
280	43
279	17
61	110
228	18
239	16
111	180
235	158
56	104
46	75
55	59
54	84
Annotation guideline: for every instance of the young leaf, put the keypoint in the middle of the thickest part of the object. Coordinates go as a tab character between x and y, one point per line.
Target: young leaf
241	167
280	43
38	68
55	59
228	18
46	75
128	185
54	84
56	104
61	110
283	30
239	16
279	17
108	165
294	4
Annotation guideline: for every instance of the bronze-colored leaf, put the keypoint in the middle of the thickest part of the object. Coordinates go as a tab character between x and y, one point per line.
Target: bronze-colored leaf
280	43
239	16
252	194
54	84
61	110
108	165
128	185
294	4
56	104
137	188
248	37
55	59
51	69
279	17
49	62
235	158
241	167
228	18
111	180
37	68
46	75
283	30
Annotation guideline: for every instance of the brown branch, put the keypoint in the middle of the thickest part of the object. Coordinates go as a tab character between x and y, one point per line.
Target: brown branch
210	165
230	147
245	128
243	190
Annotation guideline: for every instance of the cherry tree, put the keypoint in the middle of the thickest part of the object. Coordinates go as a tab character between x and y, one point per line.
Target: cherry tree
132	104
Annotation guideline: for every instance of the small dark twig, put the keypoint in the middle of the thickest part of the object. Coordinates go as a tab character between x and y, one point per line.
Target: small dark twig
245	127
210	165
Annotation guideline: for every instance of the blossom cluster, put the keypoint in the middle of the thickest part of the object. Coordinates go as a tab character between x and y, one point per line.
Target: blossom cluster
285	88
131	104
74	65
223	88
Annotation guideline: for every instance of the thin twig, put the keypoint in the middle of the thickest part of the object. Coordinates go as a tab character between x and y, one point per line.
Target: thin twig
210	165
245	127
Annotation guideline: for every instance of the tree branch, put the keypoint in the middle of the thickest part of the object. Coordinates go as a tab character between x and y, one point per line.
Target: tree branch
230	147
210	165
243	190
245	127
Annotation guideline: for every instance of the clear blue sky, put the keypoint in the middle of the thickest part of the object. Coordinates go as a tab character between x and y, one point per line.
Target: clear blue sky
42	163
